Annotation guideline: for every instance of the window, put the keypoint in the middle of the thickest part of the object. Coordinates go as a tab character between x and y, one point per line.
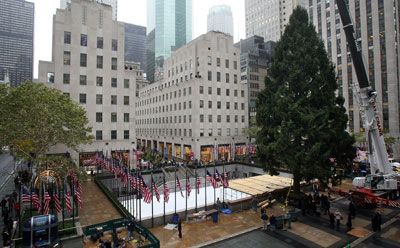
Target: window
113	117
227	63
99	117
126	83
218	105
82	98
126	134
126	100
113	134
67	58
209	60
218	76
83	59
235	93
235	65
227	92
227	77
114	45
99	62
218	62
190	90
201	103
218	91
201	118
242	93
126	117
228	118
210	132
242	118
114	82
235	79
209	76
228	132
50	77
67	37
236	118
100	42
113	63
209	118
190	104
209	90
219	131
228	105
201	89
209	104
99	99
242	106
113	99
99	135
99	81
83	40
66	94
82	80
218	118
66	78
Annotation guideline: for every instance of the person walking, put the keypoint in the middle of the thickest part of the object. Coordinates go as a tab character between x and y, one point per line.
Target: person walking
131	228
352	209
180	228
272	222
264	218
349	223
378	221
332	220
338	217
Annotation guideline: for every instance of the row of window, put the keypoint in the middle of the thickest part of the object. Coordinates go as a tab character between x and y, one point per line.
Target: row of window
114	134
182	119
186	132
99	81
84	41
99	117
83	60
227	77
99	99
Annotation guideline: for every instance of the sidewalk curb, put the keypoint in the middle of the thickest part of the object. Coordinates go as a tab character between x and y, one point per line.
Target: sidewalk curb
386	224
226	237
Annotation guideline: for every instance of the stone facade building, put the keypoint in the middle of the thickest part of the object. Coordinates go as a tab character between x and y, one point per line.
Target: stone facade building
199	109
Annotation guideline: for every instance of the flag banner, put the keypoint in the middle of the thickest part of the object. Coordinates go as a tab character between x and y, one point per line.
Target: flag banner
155	190
47	199
225	180
212	180
178	185
218	178
198	182
147	197
188	187
57	204
166	192
68	202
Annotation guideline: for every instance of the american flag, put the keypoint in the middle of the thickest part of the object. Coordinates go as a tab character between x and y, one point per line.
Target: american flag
47	199
68	202
217	177
178	185
78	198
212	180
147	197
35	201
166	192
198	183
155	190
57	203
188	187
225	180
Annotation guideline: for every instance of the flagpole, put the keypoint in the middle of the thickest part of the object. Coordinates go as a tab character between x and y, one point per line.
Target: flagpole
187	193
152	202
205	188
164	195
140	200
223	186
196	186
175	184
215	182
73	201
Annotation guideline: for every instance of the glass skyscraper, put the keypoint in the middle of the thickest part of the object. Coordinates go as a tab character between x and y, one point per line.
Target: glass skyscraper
135	44
171	21
16	40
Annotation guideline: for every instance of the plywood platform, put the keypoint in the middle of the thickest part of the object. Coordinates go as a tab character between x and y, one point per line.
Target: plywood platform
260	184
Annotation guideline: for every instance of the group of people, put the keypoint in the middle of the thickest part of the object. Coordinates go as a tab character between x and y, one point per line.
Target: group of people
315	204
10	211
268	222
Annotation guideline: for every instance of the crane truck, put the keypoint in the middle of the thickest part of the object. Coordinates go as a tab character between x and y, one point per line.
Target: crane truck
382	183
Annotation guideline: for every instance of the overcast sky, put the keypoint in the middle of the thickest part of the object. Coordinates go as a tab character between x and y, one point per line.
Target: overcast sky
131	11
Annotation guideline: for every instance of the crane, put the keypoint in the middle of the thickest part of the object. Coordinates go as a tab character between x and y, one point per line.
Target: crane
382	179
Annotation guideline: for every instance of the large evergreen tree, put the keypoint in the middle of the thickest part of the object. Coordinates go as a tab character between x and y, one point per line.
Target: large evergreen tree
302	120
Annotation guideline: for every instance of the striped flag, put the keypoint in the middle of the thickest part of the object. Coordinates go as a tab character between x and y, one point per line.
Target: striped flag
35	201
198	183
147	197
178	185
26	198
68	201
47	199
78	198
212	180
166	192
225	181
188	187
218	177
155	190
57	204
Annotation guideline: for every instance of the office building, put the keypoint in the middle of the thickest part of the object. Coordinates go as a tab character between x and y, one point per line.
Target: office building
135	44
255	60
376	25
268	18
16	40
169	26
220	19
199	109
88	66
112	3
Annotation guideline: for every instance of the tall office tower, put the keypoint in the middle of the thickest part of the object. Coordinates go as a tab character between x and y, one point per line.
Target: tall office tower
169	26
199	109
16	40
135	44
220	19
268	18
112	3
88	66
255	60
376	24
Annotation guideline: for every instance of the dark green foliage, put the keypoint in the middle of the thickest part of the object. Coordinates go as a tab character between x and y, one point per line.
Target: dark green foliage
302	121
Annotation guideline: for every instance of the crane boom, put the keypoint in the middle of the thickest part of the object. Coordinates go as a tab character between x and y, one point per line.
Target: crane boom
378	158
